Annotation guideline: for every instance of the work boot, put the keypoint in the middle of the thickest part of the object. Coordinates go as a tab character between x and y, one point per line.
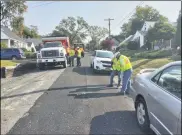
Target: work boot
110	85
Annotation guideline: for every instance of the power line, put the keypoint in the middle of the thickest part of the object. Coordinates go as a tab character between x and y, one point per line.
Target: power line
129	14
109	20
43	4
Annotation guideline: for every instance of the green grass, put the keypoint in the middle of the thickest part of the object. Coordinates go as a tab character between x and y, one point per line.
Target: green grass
139	64
6	63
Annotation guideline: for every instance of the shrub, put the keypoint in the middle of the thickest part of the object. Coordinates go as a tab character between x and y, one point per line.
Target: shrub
30	55
3	45
132	45
154	54
24	49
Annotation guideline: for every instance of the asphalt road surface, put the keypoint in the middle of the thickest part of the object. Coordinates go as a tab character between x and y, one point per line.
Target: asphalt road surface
79	103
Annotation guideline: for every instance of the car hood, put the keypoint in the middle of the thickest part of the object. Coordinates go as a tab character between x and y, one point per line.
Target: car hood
52	48
103	59
146	72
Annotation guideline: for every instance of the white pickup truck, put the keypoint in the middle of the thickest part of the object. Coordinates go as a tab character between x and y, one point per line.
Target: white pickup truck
53	53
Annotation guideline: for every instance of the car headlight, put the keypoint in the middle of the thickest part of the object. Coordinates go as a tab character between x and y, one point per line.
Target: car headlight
99	62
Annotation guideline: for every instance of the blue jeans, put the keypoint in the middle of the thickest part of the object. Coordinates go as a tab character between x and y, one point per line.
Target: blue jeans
126	80
113	73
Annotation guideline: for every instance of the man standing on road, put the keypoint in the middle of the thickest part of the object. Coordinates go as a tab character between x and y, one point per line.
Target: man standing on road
126	68
115	70
79	55
72	56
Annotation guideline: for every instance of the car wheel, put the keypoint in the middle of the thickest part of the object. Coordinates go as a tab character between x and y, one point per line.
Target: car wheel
14	58
94	70
142	115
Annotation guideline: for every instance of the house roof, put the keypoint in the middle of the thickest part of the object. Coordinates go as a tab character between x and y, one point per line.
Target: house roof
150	23
34	40
10	34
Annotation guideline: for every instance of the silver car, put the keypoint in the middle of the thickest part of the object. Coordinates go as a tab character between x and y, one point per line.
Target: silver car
157	98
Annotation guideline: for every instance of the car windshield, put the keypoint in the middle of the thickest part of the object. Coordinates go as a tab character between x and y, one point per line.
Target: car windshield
104	54
53	44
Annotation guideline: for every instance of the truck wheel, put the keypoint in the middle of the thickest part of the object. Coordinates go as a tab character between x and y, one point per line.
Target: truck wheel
41	66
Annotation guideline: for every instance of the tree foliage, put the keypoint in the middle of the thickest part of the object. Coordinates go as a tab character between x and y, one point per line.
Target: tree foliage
18	25
75	28
141	15
11	9
30	32
161	30
96	33
107	44
178	32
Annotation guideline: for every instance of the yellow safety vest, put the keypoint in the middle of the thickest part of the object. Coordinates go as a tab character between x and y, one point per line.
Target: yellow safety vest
126	64
72	52
116	64
79	53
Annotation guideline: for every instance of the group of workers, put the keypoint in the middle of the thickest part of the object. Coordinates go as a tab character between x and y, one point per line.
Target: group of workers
75	53
121	66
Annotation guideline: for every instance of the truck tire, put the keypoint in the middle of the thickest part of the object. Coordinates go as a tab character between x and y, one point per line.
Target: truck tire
41	66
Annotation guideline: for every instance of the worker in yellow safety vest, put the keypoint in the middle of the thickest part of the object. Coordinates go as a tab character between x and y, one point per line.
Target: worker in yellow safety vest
78	55
116	70
126	69
72	56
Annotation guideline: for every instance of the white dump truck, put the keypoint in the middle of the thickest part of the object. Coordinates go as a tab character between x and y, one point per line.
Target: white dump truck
53	52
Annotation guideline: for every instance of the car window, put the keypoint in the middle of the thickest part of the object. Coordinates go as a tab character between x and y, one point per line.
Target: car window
170	80
156	78
8	50
105	54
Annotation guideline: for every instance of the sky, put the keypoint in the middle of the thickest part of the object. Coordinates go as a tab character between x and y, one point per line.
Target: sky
47	15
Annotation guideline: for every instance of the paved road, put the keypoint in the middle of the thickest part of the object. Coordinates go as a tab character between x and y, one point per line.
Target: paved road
79	103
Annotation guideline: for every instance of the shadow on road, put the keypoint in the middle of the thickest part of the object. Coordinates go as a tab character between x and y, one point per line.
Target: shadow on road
92	95
88	71
31	67
117	122
50	89
91	89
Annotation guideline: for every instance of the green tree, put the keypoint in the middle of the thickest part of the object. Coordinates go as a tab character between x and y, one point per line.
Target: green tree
18	25
96	33
11	9
141	15
161	30
178	32
30	32
74	28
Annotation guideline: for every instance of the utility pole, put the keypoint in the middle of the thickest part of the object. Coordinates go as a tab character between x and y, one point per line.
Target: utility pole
109	20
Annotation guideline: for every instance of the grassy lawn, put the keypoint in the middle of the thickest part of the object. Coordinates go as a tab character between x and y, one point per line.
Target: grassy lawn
139	64
5	63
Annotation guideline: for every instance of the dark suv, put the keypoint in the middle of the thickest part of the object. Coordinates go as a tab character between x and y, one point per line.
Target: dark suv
12	53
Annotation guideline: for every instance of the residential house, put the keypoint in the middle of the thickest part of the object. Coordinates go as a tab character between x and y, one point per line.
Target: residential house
11	39
33	43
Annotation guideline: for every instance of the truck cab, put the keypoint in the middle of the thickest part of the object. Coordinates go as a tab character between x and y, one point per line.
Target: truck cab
53	52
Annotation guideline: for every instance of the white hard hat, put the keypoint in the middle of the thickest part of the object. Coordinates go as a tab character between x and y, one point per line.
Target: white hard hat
117	53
